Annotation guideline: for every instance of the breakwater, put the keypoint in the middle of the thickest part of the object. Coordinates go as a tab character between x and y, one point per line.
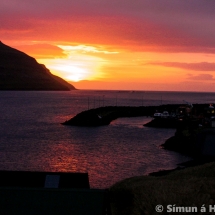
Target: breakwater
104	115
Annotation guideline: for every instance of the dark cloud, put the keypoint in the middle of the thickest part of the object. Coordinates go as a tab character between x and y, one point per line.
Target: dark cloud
165	25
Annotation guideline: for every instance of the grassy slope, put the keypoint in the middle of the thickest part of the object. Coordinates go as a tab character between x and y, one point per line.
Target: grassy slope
192	186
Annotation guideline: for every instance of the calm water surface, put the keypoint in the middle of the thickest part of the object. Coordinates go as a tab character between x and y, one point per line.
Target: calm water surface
32	138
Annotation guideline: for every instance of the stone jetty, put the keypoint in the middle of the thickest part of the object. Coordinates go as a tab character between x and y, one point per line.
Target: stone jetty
104	115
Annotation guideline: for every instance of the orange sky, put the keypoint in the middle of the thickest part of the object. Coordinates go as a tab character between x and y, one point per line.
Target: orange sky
130	45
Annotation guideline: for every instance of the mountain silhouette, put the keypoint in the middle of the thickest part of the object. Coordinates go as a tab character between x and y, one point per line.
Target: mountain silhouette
19	71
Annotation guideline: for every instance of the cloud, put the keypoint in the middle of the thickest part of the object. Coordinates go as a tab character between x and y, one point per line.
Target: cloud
201	77
85	49
149	25
202	66
39	50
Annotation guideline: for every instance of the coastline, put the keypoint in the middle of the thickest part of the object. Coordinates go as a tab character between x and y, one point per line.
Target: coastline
190	184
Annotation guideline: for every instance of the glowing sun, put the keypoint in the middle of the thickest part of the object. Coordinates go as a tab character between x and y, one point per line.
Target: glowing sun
71	73
78	64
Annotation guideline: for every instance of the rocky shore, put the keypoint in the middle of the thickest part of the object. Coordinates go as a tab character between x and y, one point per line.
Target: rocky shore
196	142
163	123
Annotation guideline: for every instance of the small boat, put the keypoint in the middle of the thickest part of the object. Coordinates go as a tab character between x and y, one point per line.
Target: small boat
165	114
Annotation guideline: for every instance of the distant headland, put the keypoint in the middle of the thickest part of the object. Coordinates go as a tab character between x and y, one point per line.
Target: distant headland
19	71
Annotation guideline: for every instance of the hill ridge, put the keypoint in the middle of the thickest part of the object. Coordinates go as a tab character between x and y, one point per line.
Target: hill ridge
19	71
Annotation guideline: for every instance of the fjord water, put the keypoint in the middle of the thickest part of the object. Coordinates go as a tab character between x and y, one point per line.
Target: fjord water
32	138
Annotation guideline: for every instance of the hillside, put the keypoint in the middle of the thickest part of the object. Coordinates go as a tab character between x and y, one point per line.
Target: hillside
18	71
181	189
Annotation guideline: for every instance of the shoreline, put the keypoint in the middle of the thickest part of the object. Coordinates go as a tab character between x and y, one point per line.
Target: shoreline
181	166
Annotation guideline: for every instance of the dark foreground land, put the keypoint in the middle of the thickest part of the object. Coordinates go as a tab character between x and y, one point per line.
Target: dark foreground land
190	187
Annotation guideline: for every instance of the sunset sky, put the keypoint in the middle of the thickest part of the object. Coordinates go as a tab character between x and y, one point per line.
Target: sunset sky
117	44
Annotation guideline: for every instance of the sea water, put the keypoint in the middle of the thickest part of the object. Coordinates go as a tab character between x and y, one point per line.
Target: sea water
32	137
